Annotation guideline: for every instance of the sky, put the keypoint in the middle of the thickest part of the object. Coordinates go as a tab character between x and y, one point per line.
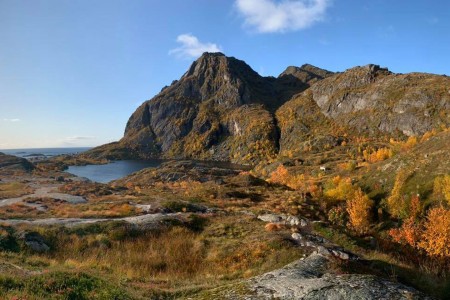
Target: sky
73	71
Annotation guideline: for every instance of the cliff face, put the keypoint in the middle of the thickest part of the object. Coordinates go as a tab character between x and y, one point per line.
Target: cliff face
369	101
221	109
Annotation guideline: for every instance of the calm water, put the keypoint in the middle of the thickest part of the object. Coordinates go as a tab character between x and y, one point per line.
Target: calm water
112	171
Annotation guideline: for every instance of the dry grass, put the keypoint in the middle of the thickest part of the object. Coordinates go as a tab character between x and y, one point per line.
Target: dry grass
172	259
14	189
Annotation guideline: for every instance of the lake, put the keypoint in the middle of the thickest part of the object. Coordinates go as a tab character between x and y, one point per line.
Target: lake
112	171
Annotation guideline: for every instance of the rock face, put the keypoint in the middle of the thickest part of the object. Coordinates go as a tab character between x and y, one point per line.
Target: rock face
312	279
221	109
14	163
371	99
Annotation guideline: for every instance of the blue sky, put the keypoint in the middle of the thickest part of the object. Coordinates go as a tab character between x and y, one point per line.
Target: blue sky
73	71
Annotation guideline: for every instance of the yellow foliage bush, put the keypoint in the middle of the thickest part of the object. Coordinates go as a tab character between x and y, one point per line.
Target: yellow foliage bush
340	188
441	187
359	211
396	203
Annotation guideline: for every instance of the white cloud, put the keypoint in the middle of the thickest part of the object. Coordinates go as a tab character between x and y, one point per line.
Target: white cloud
281	16
191	47
11	120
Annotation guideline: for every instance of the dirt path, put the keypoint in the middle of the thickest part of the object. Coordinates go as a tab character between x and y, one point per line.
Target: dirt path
47	191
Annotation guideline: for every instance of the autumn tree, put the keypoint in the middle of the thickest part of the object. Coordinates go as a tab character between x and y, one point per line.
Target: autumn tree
397	203
359	211
435	239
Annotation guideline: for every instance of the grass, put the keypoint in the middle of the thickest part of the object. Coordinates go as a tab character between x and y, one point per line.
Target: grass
168	262
60	285
13	190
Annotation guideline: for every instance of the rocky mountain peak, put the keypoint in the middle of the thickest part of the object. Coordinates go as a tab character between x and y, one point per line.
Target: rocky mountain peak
216	63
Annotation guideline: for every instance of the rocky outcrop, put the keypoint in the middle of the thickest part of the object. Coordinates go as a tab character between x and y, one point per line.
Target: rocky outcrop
371	99
14	163
177	171
314	278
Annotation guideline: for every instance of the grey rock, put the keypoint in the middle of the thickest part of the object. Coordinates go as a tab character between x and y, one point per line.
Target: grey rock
293	221
312	279
303	223
322	250
297	236
35	241
271	218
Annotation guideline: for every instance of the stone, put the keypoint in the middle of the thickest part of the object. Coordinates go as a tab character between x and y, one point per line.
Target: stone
293	221
271	218
297	236
322	250
35	241
313	278
303	223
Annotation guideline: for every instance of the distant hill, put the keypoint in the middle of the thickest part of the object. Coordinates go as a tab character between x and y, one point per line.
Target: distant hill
14	163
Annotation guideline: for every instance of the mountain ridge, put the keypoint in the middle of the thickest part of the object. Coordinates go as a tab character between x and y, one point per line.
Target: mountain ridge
221	109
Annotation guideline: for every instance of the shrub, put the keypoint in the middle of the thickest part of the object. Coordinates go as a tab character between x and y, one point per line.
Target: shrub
377	155
338	216
280	175
396	203
273	227
408	234
359	211
441	188
435	239
339	188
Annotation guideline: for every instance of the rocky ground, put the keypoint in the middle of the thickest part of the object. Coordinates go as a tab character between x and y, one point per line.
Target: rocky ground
261	240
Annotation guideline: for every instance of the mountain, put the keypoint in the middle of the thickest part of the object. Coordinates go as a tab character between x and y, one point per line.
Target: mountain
221	109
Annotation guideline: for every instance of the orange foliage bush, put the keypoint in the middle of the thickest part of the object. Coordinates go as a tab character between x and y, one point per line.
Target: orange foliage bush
435	239
359	211
297	182
408	234
431	235
273	227
280	175
381	154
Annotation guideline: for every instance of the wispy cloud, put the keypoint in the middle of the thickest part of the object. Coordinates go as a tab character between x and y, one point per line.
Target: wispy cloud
280	16
433	20
191	47
11	120
72	139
